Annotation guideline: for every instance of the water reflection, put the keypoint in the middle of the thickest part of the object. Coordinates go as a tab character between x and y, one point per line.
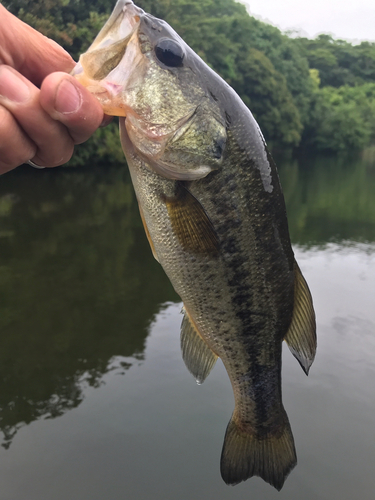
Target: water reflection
329	199
157	422
82	300
77	287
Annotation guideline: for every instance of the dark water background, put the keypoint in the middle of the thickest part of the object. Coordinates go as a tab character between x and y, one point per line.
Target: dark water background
95	401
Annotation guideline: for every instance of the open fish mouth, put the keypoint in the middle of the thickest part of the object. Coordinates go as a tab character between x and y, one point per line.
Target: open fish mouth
103	69
135	67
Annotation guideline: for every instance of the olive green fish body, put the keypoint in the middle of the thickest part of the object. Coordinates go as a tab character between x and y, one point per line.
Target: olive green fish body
239	293
214	214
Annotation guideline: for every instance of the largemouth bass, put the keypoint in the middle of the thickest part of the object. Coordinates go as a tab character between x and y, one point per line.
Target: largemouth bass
214	214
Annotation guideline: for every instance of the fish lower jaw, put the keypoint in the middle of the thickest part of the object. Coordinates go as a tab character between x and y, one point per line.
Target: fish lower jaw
111	106
107	93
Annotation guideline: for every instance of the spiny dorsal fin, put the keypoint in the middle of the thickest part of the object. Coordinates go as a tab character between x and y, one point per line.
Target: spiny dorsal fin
198	357
301	336
191	224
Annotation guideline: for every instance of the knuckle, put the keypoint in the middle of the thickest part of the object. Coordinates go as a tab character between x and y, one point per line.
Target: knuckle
61	152
15	147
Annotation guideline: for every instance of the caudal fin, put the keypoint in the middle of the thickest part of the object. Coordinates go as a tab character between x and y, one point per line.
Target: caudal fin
271	457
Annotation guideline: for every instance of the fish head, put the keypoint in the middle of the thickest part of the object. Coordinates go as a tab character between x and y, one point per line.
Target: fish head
140	69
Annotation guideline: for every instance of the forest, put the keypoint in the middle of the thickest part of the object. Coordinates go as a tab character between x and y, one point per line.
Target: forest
306	94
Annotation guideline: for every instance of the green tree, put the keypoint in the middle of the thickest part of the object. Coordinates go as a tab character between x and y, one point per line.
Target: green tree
71	23
342	119
339	62
264	91
295	87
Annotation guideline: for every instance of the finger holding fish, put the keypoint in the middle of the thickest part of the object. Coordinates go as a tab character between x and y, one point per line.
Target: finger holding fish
43	125
15	147
27	130
52	142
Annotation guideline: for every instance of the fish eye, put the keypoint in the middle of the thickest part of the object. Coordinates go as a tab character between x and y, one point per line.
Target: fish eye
169	52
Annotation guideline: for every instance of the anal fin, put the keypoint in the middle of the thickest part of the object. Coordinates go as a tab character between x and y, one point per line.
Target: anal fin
198	357
301	336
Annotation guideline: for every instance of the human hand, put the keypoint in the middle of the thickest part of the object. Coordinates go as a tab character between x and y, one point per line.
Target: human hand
41	125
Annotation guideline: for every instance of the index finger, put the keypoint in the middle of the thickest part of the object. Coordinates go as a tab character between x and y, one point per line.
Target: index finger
28	51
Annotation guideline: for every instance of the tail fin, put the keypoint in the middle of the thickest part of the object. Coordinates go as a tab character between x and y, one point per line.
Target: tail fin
271	457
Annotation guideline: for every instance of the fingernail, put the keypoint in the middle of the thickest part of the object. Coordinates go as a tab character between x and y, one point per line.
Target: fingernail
12	87
68	98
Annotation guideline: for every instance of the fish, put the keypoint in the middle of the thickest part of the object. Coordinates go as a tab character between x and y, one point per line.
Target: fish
214	214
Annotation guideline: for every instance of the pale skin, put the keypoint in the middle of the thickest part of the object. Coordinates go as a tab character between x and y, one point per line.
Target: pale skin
44	111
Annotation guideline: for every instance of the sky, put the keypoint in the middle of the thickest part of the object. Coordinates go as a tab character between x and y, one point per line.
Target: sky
347	19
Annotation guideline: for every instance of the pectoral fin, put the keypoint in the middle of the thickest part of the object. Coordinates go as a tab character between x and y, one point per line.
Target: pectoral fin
198	357
191	224
301	336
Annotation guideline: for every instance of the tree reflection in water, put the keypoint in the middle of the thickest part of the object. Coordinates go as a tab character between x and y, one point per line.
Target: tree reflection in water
78	286
330	198
78	283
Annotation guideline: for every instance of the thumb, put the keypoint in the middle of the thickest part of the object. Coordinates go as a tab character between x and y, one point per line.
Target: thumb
28	51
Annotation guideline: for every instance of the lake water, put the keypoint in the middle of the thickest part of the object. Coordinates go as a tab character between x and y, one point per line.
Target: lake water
95	400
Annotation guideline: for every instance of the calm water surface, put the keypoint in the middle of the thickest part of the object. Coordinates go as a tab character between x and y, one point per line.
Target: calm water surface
95	401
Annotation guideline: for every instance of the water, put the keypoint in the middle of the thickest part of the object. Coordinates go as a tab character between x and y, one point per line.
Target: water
95	399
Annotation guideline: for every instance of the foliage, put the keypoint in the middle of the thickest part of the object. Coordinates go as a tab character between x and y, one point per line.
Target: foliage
342	118
264	90
104	147
71	23
312	93
339	62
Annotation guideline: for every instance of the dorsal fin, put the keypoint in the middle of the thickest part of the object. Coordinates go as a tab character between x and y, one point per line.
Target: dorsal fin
301	336
198	357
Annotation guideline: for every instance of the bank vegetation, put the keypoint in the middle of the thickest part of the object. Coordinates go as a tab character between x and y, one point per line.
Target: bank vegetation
315	94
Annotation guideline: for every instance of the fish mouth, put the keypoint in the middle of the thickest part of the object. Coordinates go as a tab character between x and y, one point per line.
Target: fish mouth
103	68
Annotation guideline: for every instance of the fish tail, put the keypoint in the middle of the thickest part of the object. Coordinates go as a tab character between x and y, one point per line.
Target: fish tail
271	456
